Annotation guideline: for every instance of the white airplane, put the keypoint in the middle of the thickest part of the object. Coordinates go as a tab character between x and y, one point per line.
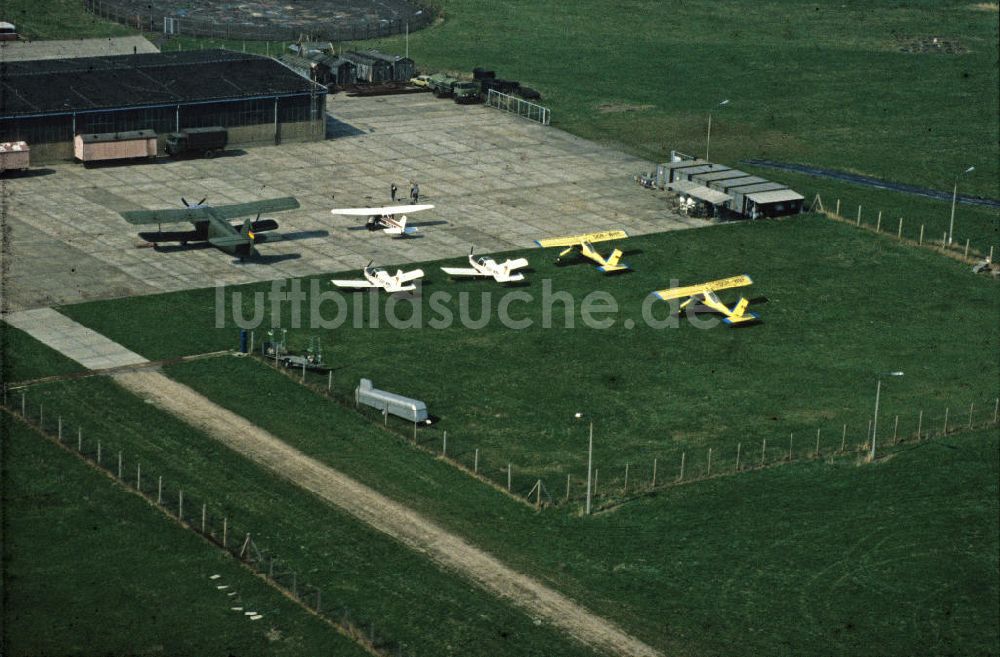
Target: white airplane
384	219
378	277
501	272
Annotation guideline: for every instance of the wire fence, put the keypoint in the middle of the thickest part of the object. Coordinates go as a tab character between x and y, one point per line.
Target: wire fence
205	518
907	232
615	483
148	19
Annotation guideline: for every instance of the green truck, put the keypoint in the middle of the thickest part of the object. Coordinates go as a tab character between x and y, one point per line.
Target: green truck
466	92
463	91
441	84
206	142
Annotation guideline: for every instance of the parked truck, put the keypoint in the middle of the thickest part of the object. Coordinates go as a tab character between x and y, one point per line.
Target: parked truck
466	92
14	156
97	147
441	84
207	142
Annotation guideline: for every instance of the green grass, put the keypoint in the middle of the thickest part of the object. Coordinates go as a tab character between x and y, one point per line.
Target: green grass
977	224
363	575
22	357
905	550
59	19
823	84
842	305
90	569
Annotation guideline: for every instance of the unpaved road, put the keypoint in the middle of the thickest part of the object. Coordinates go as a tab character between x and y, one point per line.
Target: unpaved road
383	514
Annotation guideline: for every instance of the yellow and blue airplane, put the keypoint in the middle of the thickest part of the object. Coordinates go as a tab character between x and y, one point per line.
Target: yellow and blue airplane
704	293
585	243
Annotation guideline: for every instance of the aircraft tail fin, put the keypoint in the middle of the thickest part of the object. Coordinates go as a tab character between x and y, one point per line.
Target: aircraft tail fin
613	263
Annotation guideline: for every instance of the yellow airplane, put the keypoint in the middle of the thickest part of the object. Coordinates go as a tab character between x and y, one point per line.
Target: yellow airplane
585	244
705	294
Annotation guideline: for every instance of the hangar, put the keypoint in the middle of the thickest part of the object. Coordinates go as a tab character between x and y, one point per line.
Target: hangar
48	102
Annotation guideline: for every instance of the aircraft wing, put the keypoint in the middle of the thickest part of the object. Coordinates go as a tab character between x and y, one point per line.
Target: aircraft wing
406	276
168	216
690	290
509	278
370	212
228	240
462	271
354	284
602	236
254	207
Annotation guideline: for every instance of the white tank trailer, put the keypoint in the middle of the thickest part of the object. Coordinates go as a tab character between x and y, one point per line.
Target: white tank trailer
411	410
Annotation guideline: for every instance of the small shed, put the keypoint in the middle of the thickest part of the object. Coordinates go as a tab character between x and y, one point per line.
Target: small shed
369	69
342	71
711	176
774	203
402	68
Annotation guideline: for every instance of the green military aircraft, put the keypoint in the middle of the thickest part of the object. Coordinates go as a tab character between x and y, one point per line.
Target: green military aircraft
211	224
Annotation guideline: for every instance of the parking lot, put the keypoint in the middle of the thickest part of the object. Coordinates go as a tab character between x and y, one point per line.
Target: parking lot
499	182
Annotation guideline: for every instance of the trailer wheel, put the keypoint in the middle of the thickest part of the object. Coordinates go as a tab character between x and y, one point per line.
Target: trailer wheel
209	154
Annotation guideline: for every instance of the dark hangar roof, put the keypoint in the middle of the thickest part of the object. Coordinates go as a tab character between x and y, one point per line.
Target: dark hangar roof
59	86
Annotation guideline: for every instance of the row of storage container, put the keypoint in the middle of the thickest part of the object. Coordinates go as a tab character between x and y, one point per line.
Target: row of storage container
370	66
727	188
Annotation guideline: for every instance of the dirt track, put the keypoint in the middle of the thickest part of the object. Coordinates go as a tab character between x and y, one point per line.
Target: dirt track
383	514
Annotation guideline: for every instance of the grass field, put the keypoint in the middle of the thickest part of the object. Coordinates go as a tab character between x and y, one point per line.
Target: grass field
905	550
841	306
70	532
362	573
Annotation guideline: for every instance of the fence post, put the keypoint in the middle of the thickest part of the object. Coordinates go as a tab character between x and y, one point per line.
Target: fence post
138	477
98	452
921	241
625	488
996	410
681	478
567	488
837	212
508	478
41	416
946	421
475	463
538	498
899	231
203	514
180	505
920	423
895	431
966	247
119	464
972	407
791	438
859	215
225	530
763	452
159	489
329	381
444	443
60	428
739	447
79	439
843	440
878	225
23	405
708	472
654	473
817	443
595	482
